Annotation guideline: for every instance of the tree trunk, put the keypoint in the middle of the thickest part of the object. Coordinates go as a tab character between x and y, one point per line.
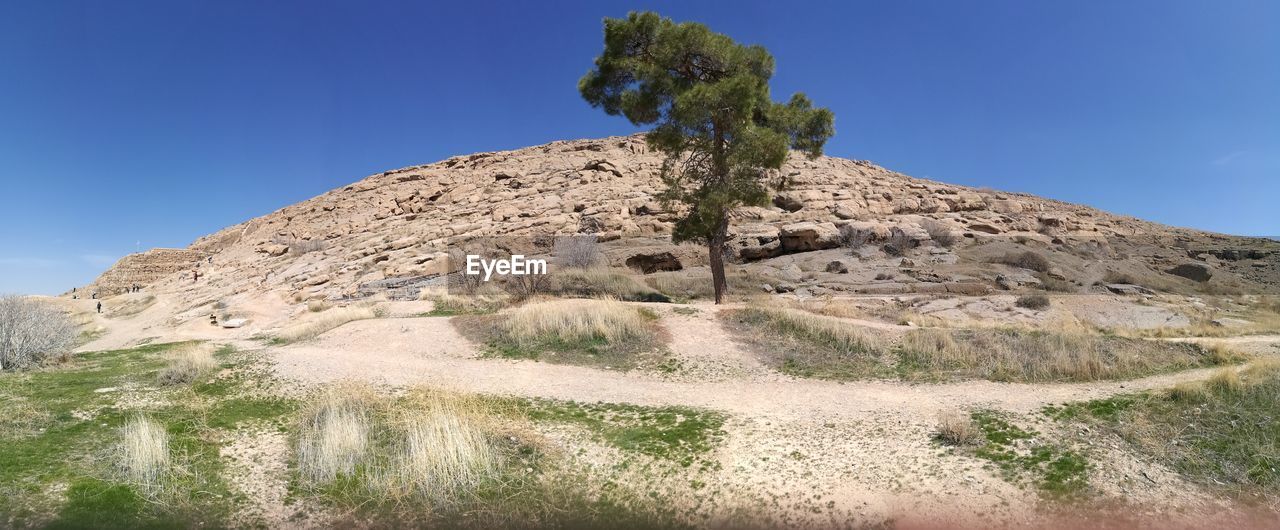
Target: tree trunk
715	250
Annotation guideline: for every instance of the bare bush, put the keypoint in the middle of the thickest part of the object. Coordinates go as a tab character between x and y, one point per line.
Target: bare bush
853	237
956	428
578	252
463	283
1033	301
1026	260
32	331
523	286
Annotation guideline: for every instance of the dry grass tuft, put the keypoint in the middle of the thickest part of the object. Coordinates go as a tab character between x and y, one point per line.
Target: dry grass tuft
576	321
444	449
600	281
449	304
1189	391
1226	381
188	364
830	308
334	436
957	428
1014	354
144	451
808	345
317	323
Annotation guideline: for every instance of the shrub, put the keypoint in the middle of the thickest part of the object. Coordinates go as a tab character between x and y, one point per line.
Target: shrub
334	436
956	428
1056	285
1029	260
527	285
143	454
187	365
853	237
317	306
1033	301
578	252
32	331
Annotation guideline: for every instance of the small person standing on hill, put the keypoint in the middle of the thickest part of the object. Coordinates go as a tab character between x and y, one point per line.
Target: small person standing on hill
99	307
195	275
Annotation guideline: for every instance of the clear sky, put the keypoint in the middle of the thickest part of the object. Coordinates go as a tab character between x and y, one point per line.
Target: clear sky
139	124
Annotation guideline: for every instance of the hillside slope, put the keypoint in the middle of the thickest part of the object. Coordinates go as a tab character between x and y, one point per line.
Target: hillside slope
395	226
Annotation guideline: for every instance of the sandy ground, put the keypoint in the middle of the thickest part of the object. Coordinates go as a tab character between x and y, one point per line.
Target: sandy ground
825	453
832	451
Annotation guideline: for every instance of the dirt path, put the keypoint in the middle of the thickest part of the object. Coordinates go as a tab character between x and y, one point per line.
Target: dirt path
429	351
855	451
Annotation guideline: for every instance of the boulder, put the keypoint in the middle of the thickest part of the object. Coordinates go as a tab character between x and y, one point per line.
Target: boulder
1127	289
649	263
1199	272
838	267
804	237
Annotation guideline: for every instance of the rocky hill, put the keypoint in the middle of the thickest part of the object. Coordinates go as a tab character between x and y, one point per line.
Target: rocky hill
393	227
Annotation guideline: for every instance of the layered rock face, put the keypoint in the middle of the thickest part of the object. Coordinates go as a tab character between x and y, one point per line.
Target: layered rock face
397	224
145	268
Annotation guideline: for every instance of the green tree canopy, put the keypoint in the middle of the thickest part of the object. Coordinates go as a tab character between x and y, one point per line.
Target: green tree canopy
715	121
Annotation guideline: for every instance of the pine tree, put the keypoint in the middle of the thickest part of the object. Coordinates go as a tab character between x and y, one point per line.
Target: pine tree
714	120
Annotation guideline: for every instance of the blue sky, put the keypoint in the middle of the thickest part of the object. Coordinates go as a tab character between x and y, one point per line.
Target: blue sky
140	124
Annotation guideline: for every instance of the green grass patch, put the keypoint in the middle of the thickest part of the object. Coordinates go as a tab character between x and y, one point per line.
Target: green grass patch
1223	433
1021	456
69	445
679	434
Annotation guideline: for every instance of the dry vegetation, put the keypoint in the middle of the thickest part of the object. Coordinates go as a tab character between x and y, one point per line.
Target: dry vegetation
603	332
575	321
1013	354
32	332
1033	301
1221	432
1028	259
334	435
602	282
187	364
957	428
143	455
808	345
802	343
432	458
315	324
